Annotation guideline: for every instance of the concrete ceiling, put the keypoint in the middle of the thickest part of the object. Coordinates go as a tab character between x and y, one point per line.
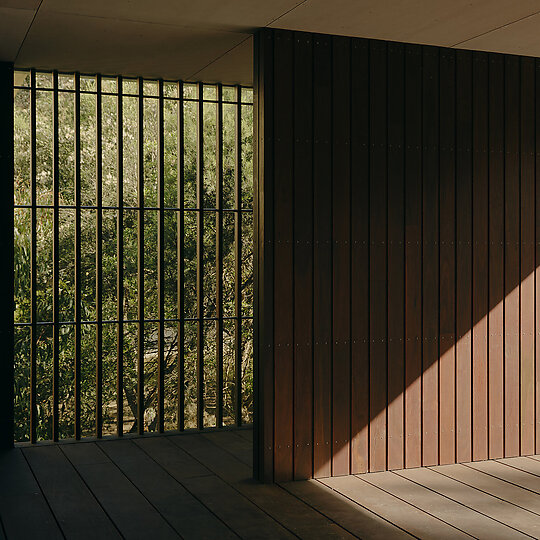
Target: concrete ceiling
211	40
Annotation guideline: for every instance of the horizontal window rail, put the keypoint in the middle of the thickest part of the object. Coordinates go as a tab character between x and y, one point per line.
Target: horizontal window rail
133	255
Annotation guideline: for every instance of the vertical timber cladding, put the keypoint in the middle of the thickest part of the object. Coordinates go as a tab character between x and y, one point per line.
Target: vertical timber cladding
6	246
398	226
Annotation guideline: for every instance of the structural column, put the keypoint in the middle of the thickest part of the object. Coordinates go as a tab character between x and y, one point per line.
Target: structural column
6	248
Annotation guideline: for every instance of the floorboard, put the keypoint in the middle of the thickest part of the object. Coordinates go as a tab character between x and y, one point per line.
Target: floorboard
76	509
124	503
515	495
508	474
24	511
439	506
293	514
393	509
357	520
485	504
186	514
200	485
526	464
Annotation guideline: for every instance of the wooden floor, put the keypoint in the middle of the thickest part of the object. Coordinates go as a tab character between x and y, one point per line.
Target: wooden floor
199	486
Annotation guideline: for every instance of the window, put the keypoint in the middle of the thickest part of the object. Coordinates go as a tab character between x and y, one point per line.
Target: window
133	255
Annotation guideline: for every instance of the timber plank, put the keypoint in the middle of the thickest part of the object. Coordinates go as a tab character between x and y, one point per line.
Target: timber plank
434	479
284	260
413	257
168	454
527	464
405	516
74	505
189	517
240	448
496	257
480	193
447	253
527	254
496	487
537	257
378	204
246	434
240	514
448	484
430	256
512	255
359	256
322	257
462	518
303	256
463	255
341	256
396	259
24	511
291	513
508	474
127	507
353	517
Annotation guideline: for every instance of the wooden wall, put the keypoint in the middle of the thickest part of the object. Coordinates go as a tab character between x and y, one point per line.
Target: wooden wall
6	249
398	232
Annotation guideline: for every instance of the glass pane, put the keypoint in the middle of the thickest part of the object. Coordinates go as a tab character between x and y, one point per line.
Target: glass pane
171	377
170	113
130	86
21	78
66	82
190	375
21	140
109	263
190	264
209	262
66	148
190	91
229	154
21	391
88	380
109	85
210	396
247	371
110	336
150	376
88	84
229	384
109	149
66	387
44	147
130	377
22	262
66	266
190	155
247	156
209	151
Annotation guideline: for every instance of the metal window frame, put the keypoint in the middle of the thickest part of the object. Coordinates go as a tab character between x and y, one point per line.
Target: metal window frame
36	326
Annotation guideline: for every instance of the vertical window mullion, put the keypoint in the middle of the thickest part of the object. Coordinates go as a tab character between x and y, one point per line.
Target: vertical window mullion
56	235
120	263
140	262
180	260
33	262
238	257
77	256
219	256
99	261
161	265
200	254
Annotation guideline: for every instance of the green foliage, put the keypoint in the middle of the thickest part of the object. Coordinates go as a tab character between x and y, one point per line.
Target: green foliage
66	291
